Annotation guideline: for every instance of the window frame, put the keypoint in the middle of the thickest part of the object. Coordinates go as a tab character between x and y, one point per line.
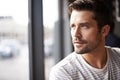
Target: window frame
36	52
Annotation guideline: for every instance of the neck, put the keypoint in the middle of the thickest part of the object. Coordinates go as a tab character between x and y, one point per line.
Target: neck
96	59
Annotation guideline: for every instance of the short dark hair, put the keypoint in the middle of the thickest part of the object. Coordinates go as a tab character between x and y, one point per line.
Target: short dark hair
100	10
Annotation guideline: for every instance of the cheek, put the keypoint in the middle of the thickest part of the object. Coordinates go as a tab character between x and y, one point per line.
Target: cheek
90	36
72	34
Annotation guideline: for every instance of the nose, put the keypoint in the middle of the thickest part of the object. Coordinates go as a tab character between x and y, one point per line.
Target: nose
77	32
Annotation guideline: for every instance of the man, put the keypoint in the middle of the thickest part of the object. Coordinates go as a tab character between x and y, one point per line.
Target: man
91	59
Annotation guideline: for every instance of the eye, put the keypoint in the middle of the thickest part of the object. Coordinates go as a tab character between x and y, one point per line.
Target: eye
85	26
72	26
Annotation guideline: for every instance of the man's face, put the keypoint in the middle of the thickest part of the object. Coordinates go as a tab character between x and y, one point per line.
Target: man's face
85	34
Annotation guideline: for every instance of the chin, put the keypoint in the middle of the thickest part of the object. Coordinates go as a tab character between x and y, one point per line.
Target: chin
79	51
82	50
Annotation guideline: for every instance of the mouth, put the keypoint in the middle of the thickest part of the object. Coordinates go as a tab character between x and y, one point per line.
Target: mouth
78	44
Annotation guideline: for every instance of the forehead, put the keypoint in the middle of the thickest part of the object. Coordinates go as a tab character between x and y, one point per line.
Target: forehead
81	16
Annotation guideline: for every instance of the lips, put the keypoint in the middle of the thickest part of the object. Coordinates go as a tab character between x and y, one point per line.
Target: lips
78	42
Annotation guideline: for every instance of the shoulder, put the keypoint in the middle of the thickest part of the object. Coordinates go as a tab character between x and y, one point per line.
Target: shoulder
62	70
66	61
113	49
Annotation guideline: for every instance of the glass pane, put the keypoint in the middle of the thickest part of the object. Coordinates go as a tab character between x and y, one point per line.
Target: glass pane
14	40
50	17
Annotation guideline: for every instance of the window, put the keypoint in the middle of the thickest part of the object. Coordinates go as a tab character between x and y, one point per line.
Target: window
50	17
14	57
57	43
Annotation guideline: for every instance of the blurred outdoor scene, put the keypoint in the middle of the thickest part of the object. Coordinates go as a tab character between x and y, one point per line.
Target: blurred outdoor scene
14	57
49	20
14	49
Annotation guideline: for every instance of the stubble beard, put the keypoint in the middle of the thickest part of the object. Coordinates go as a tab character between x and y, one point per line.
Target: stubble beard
88	46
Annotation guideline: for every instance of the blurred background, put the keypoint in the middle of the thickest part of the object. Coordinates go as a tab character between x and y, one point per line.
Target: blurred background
20	58
14	53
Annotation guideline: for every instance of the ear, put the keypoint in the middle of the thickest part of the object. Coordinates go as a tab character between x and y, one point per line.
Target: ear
105	30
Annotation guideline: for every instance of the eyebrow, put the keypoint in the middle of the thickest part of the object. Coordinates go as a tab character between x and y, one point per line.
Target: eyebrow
83	23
